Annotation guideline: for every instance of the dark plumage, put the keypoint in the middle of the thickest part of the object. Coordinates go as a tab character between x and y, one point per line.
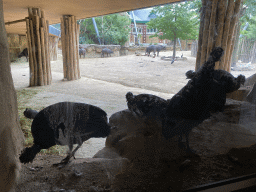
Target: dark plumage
146	106
193	103
65	123
230	82
24	53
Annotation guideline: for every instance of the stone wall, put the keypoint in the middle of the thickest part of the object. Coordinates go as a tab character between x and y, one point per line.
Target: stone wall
94	51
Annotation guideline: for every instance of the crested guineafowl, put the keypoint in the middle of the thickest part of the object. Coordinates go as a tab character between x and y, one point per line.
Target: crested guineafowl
146	106
192	104
65	123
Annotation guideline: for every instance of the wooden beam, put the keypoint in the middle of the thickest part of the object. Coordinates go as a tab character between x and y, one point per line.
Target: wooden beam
17	21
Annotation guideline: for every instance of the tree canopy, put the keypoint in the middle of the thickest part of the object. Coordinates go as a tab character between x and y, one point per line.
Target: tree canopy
113	29
175	21
249	18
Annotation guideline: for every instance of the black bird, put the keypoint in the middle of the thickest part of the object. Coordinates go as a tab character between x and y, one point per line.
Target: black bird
65	123
24	53
230	82
193	103
146	106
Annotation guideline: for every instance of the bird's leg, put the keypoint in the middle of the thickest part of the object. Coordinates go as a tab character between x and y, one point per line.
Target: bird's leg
65	161
80	142
189	151
181	143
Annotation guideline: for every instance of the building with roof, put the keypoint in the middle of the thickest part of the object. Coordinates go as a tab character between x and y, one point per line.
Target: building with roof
141	18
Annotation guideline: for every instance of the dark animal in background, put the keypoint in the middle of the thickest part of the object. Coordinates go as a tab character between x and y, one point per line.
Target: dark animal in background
30	113
154	48
159	48
82	52
192	104
149	49
65	123
146	106
24	53
106	51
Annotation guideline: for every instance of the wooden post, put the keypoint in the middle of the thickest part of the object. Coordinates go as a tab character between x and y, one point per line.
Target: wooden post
43	57
31	62
37	33
71	49
64	56
74	49
226	32
49	74
206	32
33	52
220	16
201	31
77	50
40	67
211	28
70	45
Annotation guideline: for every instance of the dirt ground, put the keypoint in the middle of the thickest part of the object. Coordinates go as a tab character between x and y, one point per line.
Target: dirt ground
104	83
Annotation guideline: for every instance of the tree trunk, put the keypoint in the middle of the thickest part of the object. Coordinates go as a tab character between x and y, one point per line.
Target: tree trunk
174	44
206	32
174	47
11	136
200	38
219	21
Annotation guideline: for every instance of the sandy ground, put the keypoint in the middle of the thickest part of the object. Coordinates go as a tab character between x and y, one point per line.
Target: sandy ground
105	81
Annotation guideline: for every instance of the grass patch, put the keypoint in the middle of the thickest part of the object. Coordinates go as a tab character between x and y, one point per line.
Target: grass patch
23	97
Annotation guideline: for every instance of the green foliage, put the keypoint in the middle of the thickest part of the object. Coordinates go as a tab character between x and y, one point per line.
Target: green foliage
113	29
249	10
249	15
250	33
175	21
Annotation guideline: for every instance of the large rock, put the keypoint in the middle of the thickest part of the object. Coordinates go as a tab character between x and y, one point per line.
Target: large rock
150	155
239	94
251	96
250	80
133	139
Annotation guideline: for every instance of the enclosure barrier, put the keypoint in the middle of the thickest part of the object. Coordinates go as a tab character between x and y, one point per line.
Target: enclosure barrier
38	48
70	44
